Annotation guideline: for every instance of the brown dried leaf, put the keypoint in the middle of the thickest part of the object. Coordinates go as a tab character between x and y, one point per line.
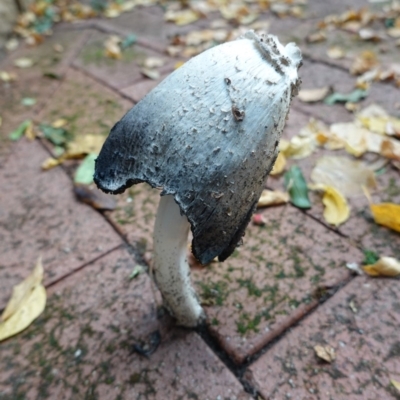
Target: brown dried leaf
94	197
326	353
316	37
364	62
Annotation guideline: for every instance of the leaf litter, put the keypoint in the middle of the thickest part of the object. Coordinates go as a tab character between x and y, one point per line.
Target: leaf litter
27	302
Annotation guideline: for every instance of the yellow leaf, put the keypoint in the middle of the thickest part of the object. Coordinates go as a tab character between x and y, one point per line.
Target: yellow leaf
385	266
84	144
387	214
29	132
300	147
279	165
23	290
183	17
51	163
112	47
347	176
27	312
337	210
59	123
335	52
272	198
396	384
326	353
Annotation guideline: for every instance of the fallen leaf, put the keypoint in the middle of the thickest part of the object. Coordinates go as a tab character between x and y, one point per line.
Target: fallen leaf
12	44
94	197
84	144
396	384
364	62
337	210
59	123
150	73
112	49
335	52
314	95
183	17
57	136
296	185
7	76
58	48
353	137
316	37
23	62
279	165
353	307
387	214
272	198
346	175
385	266
84	173
128	41
153	62
28	101
27	302
394	32
326	353
137	270
352	97
50	163
370	35
22	290
19	132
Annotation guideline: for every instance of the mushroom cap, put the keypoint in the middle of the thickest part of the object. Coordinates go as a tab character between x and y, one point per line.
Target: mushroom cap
208	135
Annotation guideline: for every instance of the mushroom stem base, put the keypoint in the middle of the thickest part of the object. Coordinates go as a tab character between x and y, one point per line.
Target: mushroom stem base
171	270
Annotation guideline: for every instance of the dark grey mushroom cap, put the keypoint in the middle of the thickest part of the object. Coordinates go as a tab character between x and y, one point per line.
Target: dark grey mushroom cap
208	135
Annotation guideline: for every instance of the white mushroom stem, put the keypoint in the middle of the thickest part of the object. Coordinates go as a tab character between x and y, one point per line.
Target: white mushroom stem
171	270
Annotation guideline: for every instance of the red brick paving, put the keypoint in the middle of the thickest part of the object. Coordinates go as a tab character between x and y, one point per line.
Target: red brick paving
361	323
81	347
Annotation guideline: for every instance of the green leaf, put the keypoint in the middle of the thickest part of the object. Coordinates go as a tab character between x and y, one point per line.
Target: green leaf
18	133
57	136
128	41
136	272
84	173
370	257
353	97
28	101
297	188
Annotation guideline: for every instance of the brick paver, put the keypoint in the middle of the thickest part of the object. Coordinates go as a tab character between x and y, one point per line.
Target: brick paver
361	324
83	346
39	216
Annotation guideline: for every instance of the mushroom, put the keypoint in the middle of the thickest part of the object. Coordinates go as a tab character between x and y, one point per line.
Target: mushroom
208	136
